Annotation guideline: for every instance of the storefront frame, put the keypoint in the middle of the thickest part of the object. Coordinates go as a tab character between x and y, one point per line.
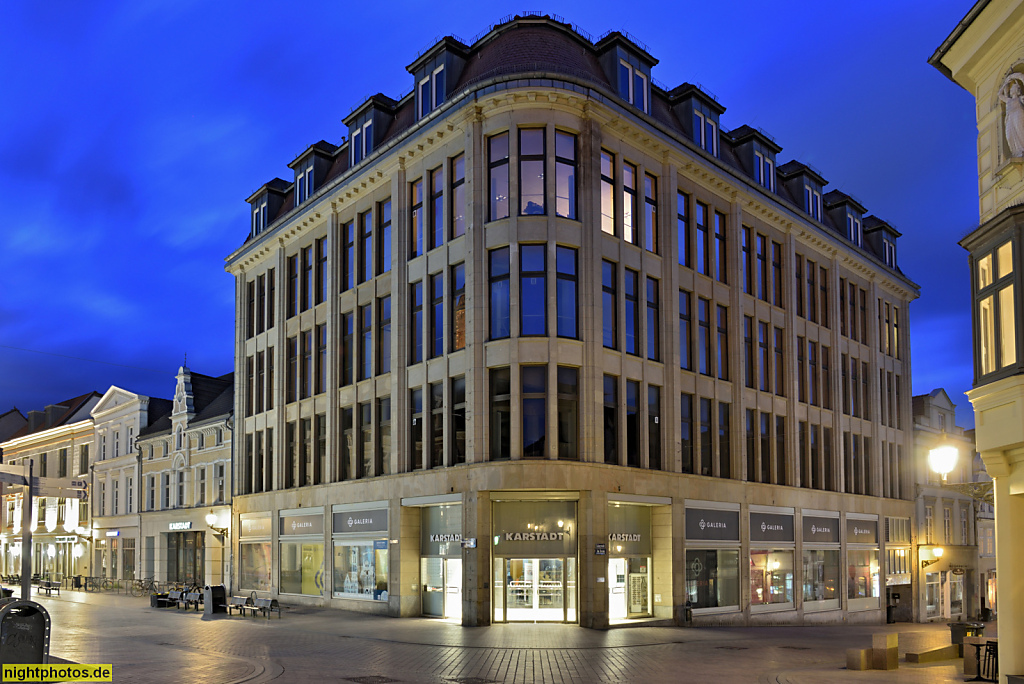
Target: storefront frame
721	533
306	541
815	539
857	542
367	535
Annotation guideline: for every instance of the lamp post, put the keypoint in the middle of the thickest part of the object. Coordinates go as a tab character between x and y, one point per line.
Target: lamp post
942	459
220	530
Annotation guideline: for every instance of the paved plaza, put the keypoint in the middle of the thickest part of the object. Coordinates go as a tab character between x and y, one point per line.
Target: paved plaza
163	645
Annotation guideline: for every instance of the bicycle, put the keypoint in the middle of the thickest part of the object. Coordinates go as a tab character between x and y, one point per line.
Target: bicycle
142	587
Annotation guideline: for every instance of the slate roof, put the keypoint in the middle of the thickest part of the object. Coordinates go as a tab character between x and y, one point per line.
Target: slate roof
532	44
71	406
211	398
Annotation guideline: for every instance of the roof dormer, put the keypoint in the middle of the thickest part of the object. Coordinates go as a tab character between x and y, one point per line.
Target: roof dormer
367	125
805	185
699	113
757	151
880	238
266	204
435	73
311	169
847	215
628	66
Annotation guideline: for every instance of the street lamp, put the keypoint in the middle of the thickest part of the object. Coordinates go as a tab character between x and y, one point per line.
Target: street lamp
211	522
937	551
942	459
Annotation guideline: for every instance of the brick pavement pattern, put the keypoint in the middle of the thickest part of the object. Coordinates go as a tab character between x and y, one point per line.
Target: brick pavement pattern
158	646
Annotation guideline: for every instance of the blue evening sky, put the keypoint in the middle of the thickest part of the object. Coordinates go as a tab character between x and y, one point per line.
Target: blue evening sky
131	134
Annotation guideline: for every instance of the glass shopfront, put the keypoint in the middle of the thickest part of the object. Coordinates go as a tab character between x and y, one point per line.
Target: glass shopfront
863	589
534	548
821	561
629	561
301	542
712	558
254	556
186	558
360	542
771	559
441	561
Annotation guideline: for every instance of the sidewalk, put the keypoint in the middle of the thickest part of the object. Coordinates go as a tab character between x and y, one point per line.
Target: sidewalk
308	644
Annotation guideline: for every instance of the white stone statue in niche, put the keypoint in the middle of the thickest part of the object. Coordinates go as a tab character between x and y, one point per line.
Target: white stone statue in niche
1012	95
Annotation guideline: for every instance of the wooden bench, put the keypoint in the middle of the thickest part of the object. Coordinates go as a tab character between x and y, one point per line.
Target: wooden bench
49	587
266	606
239	602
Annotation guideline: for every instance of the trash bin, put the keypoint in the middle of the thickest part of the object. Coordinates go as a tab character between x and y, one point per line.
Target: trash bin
986	614
685	618
890	615
214	599
24	633
959	630
158	600
76	582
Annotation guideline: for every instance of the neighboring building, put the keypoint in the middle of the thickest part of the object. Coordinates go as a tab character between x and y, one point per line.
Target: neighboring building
985	55
185	456
58	441
540	341
949	588
118	419
10	422
985	531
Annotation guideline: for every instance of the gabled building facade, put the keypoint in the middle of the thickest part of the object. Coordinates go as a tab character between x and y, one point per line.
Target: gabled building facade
185	475
58	441
544	342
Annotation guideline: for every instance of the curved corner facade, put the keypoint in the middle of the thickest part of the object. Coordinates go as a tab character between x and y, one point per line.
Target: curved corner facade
541	342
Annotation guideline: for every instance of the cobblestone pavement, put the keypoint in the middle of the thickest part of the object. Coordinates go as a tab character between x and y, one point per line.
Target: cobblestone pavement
157	646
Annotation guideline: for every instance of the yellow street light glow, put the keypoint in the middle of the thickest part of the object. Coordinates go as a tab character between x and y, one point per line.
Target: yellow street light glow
942	459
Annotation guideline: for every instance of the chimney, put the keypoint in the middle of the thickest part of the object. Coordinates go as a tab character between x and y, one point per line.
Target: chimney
53	412
36	419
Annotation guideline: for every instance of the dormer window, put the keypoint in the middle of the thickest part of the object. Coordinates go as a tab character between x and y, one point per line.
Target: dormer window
259	216
431	91
855	233
764	171
633	85
812	201
362	142
889	252
705	132
304	182
996	336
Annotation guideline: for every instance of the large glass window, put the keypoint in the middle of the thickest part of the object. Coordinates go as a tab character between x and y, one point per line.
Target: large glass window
531	171
653	427
653	335
713	578
497	147
686	431
568	413
436	315
416	323
361	570
366	244
458	195
416	428
629	203
347	352
608	314
532	290
723	343
384	338
651	213
366	342
821	575
458	313
534	393
254	566
302	568
436	230
458	420
703	240
384	237
631	318
633	423
608	192
499	300
721	268
611	419
436	425
565	174
685	332
501	414
771	577
416	219
565	265
862	574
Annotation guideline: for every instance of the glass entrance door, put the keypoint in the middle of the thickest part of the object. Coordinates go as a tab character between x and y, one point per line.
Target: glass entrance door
453	589
535	590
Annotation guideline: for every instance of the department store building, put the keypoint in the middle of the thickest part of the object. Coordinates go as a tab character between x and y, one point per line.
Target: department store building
542	341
